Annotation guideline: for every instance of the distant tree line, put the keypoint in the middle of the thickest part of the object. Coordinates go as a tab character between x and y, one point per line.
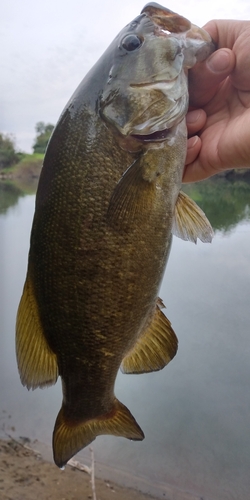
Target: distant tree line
9	155
43	133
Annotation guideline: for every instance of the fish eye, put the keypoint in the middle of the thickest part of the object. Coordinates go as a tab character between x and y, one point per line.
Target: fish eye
131	42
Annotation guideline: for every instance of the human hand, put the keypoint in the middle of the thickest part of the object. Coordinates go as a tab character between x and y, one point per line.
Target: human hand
220	103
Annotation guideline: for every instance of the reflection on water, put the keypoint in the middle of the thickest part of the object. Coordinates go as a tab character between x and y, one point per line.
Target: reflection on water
195	413
224	202
9	195
11	191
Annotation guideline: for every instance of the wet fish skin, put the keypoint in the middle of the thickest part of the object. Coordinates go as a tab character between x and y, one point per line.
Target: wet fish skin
102	230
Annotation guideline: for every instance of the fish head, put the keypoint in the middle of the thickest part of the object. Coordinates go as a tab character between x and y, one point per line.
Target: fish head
146	92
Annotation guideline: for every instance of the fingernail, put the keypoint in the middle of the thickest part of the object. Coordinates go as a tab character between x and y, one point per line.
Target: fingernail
193	116
219	61
192	141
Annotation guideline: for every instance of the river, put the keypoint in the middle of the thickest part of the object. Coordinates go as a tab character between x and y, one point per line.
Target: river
196	412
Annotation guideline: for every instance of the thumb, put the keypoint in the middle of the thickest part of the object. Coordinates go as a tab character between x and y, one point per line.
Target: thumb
206	76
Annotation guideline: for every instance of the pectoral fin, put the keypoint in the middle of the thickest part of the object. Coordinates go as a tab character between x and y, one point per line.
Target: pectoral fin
154	348
132	197
190	221
69	437
37	364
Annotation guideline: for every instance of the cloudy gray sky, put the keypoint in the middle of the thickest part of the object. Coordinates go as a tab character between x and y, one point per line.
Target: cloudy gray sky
47	46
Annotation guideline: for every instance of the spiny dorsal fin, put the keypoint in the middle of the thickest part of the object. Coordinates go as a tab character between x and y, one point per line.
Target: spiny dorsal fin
132	197
156	346
37	364
69	438
190	221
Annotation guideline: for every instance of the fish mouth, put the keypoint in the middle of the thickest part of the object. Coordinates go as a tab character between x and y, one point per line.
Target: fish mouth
159	136
156	84
165	110
158	129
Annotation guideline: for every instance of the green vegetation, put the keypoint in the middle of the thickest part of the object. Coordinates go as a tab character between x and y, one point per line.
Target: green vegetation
9	195
225	199
44	132
28	166
8	153
19	180
225	202
15	163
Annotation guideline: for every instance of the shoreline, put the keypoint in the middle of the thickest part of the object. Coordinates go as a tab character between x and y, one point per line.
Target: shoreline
26	472
29	170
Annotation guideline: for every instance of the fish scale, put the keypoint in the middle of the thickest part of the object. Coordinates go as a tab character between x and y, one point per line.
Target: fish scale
107	202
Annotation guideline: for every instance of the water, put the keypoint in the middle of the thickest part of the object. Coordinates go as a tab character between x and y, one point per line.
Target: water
195	413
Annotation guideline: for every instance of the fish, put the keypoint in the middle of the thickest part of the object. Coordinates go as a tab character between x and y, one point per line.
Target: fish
108	201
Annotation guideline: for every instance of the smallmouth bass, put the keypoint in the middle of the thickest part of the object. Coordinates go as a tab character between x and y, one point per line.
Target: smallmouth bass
107	204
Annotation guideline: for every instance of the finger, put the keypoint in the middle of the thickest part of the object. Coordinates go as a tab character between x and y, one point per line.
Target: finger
195	121
234	35
196	170
206	76
226	32
193	173
193	149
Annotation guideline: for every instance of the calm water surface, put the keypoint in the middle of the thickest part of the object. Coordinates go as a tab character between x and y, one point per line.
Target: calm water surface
196	412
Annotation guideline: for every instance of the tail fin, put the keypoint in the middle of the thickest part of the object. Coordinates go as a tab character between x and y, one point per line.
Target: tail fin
69	438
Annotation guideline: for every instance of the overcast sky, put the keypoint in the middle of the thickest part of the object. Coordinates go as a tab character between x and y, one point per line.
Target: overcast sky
47	46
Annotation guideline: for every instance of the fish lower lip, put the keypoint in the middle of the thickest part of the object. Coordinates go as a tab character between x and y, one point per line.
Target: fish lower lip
156	83
160	135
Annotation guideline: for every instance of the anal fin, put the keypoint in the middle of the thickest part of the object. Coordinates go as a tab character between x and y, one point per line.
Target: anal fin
69	437
190	221
155	347
37	364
